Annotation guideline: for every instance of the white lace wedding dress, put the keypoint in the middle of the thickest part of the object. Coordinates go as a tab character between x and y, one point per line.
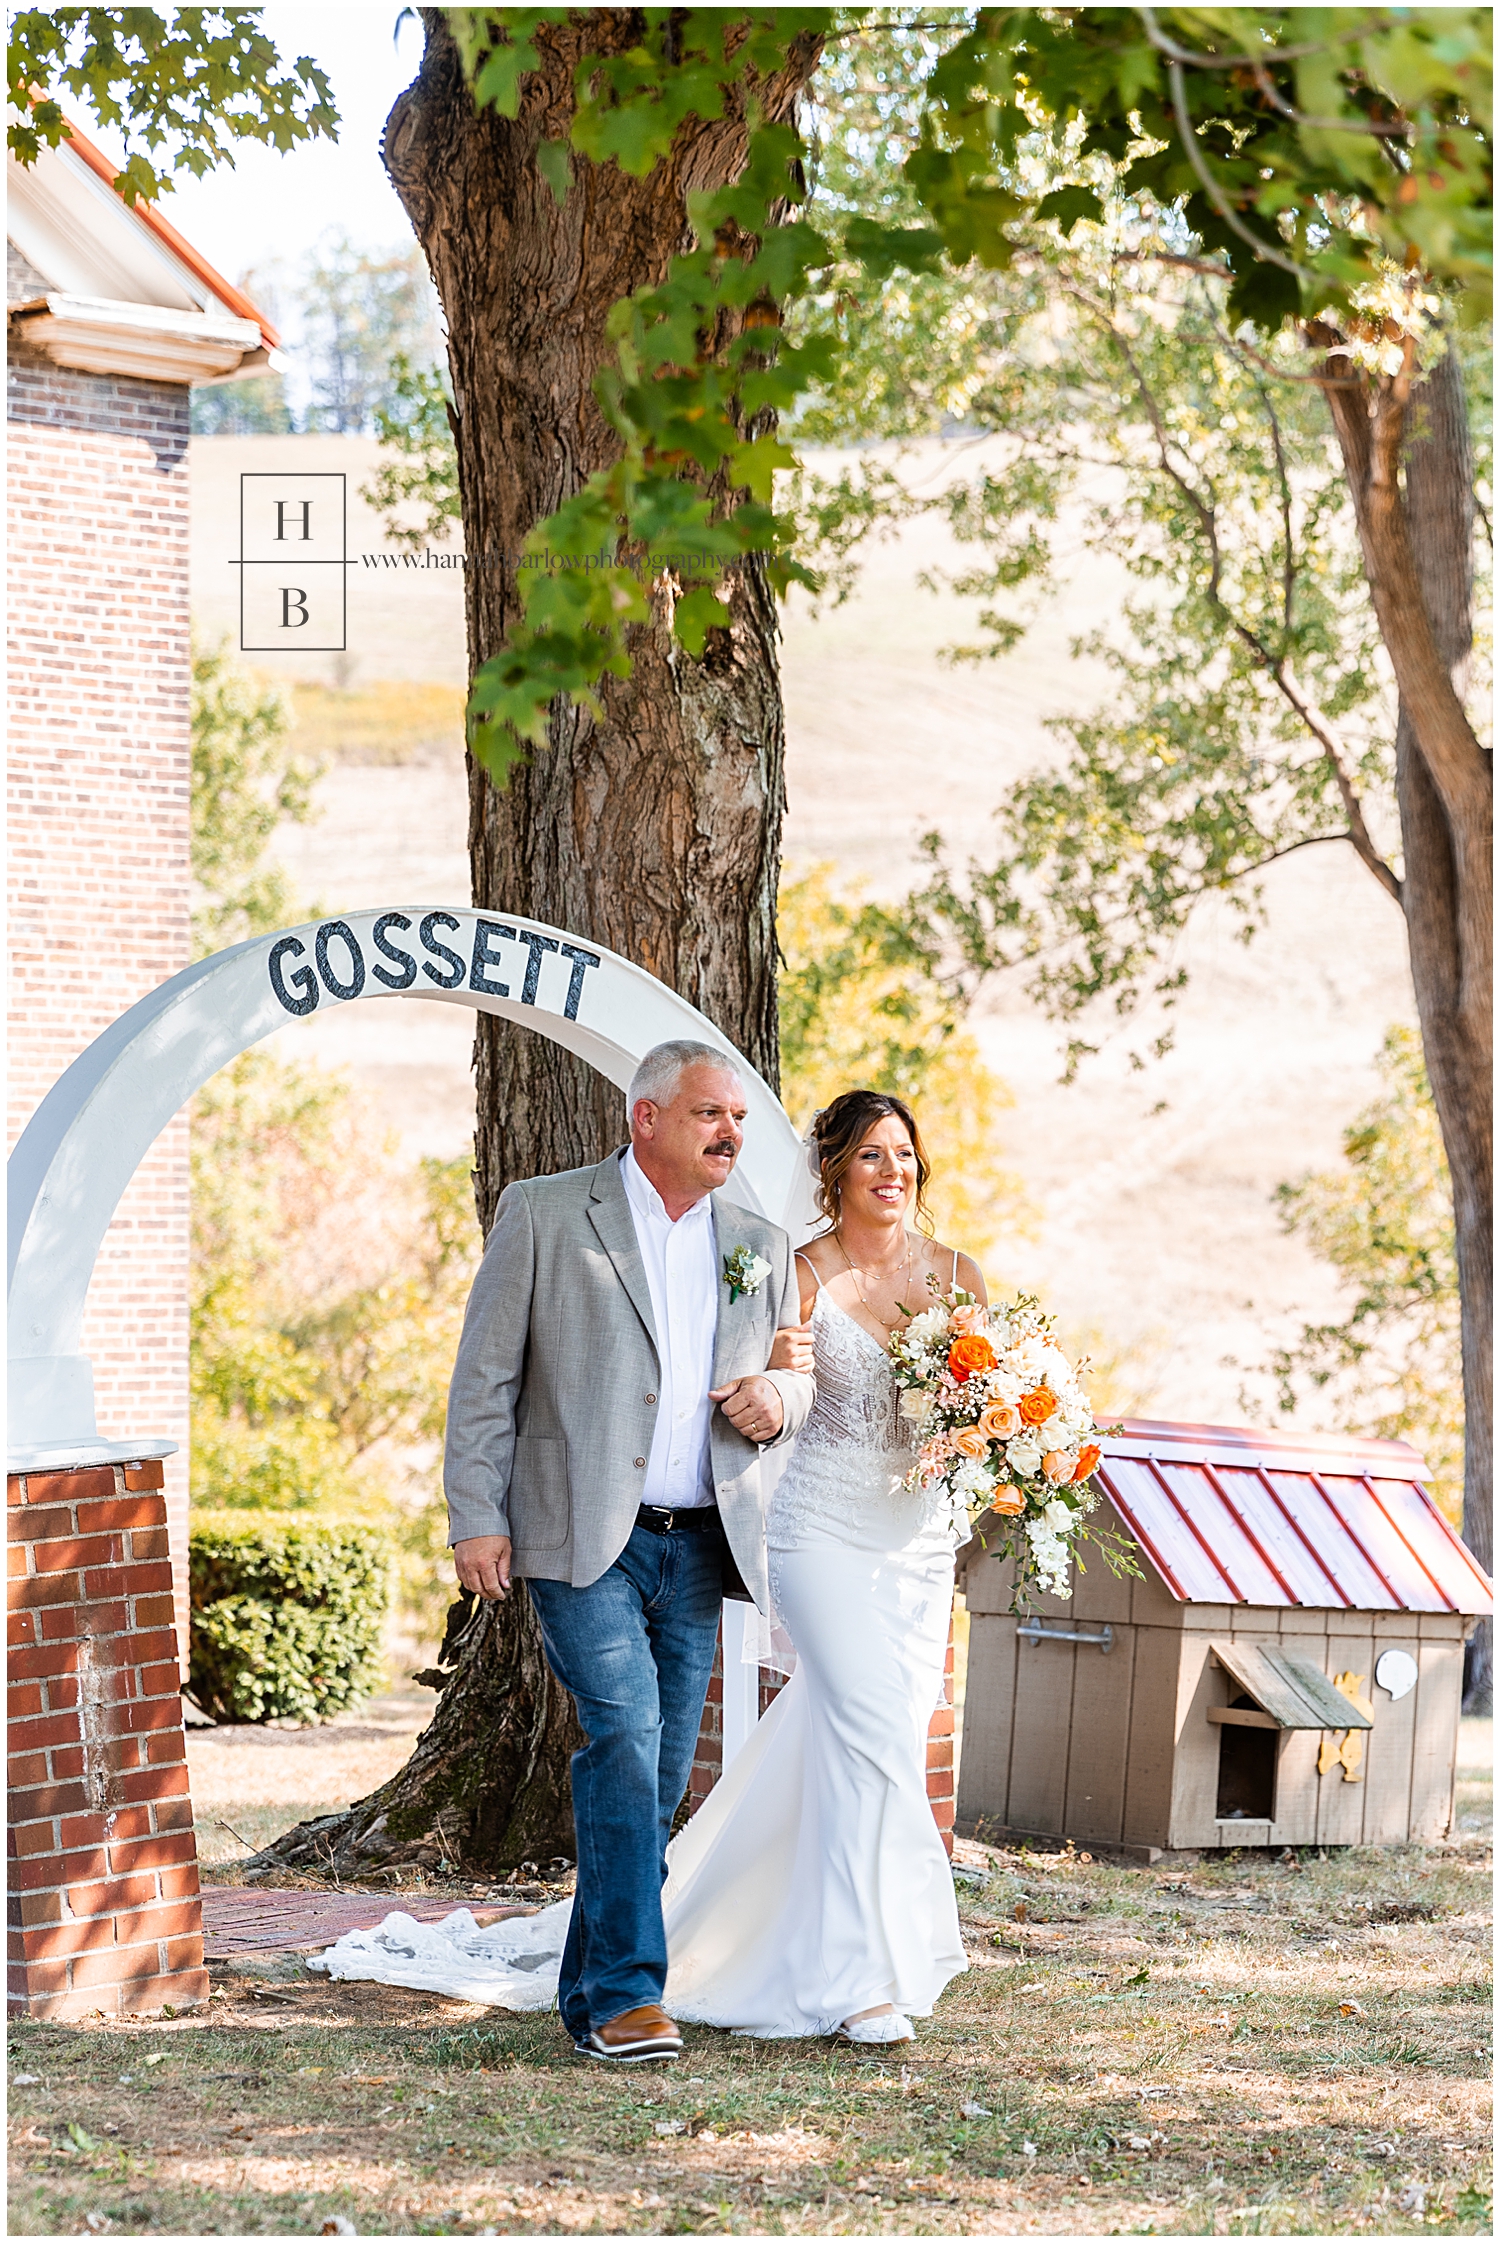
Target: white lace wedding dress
812	1882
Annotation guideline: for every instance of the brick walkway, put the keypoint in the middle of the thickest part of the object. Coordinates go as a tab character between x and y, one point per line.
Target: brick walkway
243	1919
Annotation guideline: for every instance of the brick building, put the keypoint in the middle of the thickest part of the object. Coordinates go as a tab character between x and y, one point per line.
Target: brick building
111	317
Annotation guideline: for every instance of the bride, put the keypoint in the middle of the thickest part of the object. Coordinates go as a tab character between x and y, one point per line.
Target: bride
811	1892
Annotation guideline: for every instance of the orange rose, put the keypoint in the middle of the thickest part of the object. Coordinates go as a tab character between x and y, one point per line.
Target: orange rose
971	1352
1088	1458
1037	1406
970	1441
1057	1466
1000	1420
1008	1501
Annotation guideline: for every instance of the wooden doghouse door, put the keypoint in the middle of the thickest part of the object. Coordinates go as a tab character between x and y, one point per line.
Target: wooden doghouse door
1271	1692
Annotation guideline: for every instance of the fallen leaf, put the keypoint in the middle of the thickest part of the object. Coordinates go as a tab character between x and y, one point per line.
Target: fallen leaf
669	2126
1350	2009
1138	2141
79	2138
336	2224
1413	2198
1028	2149
974	2110
25	2079
1018	1913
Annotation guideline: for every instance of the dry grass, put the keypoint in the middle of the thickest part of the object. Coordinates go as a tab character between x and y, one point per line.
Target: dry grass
258	1780
393	720
1239	2047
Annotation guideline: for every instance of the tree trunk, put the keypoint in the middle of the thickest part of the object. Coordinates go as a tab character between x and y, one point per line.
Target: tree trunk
1418	550
1440	513
485	1790
655	832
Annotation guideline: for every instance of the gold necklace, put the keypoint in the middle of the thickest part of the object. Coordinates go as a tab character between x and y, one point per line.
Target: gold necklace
901	1307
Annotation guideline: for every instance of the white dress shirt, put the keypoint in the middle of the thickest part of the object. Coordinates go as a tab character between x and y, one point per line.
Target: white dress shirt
683	1278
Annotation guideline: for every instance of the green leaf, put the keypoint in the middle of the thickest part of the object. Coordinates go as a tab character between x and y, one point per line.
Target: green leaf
1070	204
556	167
696	614
883	250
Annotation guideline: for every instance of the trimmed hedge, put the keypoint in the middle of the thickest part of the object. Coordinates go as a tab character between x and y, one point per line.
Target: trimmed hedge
287	1614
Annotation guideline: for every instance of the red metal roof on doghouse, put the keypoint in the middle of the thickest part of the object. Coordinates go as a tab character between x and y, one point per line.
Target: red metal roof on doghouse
1231	1515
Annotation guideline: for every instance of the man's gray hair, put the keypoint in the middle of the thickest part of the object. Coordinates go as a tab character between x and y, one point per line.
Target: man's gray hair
663	1067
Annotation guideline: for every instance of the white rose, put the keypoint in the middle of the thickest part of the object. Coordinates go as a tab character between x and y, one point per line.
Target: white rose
930	1325
1059	1517
916	1405
1024	1455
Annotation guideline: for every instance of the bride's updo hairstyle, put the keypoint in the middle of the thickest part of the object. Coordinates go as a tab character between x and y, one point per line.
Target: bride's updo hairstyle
839	1131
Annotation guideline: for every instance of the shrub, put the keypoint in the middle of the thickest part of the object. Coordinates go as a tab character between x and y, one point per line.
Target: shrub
287	1615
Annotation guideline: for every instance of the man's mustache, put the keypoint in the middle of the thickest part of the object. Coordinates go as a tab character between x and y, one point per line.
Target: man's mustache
725	1146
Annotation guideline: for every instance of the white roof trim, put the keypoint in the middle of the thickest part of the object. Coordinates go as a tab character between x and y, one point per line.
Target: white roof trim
96	336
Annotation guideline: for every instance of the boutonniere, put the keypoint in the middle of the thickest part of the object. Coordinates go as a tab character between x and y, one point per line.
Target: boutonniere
744	1272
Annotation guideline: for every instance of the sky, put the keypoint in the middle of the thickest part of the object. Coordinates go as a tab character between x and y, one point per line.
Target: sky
269	208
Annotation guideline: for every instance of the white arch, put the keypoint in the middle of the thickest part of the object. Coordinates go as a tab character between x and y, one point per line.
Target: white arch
91	1132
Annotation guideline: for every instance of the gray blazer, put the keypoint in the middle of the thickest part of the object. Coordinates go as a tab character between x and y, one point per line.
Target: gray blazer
551	1407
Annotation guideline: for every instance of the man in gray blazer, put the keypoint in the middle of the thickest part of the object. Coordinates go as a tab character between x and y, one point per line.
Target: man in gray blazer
608	1406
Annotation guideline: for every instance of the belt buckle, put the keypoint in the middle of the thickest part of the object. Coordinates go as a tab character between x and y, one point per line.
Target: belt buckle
667	1522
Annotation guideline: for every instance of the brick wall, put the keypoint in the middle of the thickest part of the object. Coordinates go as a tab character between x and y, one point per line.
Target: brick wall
99	795
103	1871
708	1760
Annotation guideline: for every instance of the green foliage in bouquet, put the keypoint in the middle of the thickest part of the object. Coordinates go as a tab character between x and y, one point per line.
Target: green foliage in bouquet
286	1615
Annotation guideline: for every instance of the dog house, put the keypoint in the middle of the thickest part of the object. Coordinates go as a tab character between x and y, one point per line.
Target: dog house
1287	1671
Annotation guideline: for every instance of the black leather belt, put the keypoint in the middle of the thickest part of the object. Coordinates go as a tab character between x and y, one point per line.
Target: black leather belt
696	1521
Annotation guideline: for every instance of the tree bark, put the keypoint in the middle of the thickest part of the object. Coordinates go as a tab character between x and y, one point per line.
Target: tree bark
1418	551
486	1788
654	832
1440	514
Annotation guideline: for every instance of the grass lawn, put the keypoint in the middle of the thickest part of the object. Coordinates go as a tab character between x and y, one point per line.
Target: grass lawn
1241	2047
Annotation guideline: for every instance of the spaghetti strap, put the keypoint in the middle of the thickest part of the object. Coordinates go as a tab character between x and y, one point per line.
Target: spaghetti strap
801	1257
953	1281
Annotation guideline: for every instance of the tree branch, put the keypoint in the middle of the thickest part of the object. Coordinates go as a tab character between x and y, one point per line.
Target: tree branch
1274	665
1211	187
1378	20
1343	778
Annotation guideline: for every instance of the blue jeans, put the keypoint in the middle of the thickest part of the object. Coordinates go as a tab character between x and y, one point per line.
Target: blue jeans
636	1648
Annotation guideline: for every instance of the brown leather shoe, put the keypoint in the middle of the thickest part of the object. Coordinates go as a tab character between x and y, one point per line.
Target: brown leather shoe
640	2036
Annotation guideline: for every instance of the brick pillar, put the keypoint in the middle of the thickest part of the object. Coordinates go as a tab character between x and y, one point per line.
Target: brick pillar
940	1755
104	1911
708	1760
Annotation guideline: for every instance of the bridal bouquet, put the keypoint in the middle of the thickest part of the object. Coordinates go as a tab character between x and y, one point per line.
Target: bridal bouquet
1005	1428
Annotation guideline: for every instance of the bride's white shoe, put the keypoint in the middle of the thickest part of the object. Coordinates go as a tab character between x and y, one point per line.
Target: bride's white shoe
884	2031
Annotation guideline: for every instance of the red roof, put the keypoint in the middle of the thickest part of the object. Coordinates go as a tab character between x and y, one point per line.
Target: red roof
1230	1515
232	298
